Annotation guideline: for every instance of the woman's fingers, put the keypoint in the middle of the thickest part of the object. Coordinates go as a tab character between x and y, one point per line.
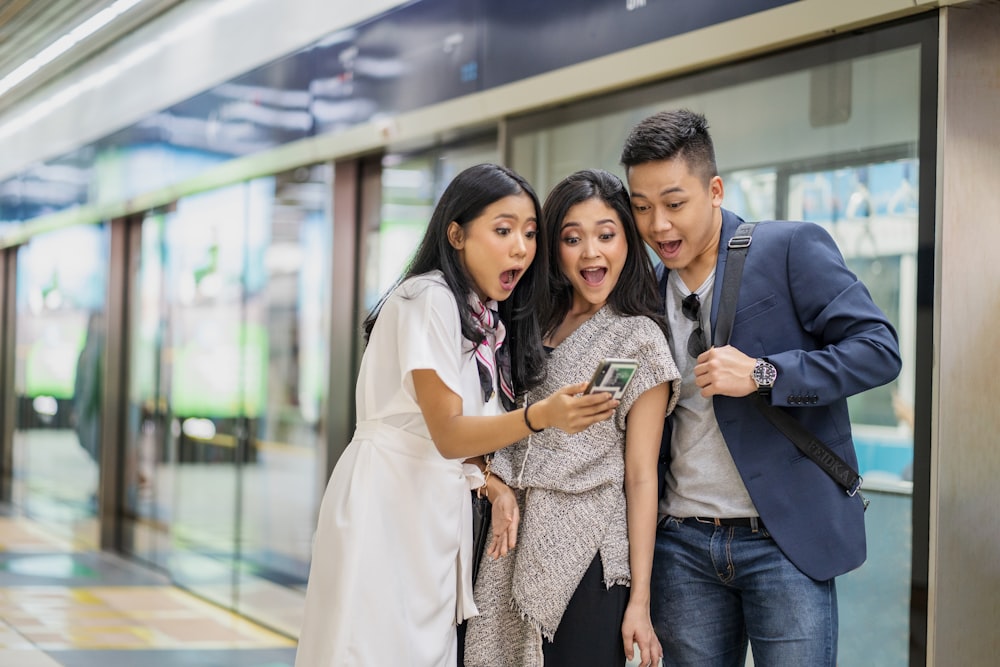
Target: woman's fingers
590	412
572	411
506	518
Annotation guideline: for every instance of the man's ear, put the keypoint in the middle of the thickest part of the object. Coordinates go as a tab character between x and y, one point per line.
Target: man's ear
456	235
716	191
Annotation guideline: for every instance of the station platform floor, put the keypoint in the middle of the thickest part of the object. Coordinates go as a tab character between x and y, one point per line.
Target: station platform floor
63	605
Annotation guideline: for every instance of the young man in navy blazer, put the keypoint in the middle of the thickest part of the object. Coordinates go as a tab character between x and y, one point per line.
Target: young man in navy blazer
752	532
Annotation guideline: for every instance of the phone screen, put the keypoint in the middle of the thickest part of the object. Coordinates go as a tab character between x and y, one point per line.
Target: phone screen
613	376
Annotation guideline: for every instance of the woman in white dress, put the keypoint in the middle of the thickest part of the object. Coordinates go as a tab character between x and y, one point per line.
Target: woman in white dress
390	575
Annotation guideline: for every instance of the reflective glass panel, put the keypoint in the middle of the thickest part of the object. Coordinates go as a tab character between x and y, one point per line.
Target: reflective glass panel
60	348
228	379
411	185
290	305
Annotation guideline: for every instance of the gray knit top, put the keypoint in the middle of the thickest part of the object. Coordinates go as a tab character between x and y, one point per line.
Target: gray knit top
571	493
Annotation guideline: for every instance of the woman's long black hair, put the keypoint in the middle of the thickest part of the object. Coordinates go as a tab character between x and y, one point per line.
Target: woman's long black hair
636	292
465	199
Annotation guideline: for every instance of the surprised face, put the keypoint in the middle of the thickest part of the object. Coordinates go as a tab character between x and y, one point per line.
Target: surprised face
498	246
592	252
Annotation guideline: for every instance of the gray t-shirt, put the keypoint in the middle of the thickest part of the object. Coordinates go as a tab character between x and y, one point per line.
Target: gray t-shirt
702	480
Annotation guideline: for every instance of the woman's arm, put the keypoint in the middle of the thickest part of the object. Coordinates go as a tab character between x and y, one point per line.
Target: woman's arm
458	436
506	515
642	447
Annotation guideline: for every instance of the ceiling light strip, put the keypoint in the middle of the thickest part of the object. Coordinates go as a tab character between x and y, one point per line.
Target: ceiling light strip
65	43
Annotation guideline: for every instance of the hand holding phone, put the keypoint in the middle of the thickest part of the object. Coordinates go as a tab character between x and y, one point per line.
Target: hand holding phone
612	376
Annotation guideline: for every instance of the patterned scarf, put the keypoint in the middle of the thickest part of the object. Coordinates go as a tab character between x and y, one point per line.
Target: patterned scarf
489	322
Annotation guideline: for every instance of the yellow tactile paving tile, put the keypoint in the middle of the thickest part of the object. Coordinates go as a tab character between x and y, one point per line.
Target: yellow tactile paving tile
125	617
20	535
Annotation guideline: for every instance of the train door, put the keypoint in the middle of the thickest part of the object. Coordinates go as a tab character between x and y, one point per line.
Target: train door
59	340
227	382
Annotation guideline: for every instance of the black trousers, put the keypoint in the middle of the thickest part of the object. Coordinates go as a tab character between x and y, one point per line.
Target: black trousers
590	632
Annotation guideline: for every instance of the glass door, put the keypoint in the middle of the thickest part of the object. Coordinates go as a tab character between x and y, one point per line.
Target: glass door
411	184
58	378
211	372
289	293
195	370
227	376
149	467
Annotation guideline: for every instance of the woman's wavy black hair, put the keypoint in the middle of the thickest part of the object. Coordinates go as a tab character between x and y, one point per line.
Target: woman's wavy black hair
465	199
636	292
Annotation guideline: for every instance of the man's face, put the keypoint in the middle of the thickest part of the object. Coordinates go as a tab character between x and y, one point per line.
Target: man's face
678	215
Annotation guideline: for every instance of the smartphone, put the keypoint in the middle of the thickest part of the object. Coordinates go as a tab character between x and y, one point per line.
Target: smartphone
612	376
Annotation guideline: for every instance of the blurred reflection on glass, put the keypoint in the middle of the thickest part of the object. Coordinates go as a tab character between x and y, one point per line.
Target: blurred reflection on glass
228	381
752	192
289	305
411	184
148	470
60	343
87	387
871	211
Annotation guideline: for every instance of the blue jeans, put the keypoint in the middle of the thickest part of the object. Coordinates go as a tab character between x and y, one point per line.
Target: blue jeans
716	587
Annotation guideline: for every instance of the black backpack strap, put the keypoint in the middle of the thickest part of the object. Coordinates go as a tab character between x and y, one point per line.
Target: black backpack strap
663	460
661	278
812	447
737	255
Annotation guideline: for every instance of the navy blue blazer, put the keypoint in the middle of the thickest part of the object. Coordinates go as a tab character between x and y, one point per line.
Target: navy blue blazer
802	308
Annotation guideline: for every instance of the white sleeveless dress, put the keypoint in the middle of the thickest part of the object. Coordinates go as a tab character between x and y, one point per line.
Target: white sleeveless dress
391	562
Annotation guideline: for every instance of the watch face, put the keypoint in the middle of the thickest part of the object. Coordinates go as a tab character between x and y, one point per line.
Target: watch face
764	374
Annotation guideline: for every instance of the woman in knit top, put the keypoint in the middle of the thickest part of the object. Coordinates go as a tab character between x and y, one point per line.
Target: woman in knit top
576	589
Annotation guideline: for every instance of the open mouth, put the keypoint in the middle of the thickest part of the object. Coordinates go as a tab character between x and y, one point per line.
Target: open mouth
594	276
670	248
509	278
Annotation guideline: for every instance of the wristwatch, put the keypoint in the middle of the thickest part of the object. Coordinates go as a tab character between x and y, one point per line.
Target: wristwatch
764	374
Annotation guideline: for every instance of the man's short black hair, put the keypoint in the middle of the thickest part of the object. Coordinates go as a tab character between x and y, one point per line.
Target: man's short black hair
670	135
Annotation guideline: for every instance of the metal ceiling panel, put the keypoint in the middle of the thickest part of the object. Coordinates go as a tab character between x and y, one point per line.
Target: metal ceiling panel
29	26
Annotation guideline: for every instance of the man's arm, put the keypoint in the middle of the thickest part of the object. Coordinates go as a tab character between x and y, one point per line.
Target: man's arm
846	344
858	347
